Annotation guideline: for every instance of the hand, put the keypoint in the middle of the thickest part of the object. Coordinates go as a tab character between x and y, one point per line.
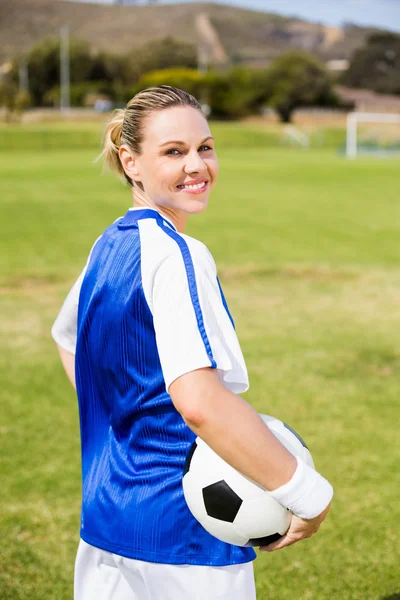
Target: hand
298	530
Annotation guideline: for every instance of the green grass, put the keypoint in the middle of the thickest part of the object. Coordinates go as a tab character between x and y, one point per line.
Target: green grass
307	246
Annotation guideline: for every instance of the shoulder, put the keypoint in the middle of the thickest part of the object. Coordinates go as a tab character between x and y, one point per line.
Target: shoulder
190	255
200	254
164	247
104	237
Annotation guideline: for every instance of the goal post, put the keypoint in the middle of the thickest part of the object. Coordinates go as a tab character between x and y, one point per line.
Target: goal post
354	118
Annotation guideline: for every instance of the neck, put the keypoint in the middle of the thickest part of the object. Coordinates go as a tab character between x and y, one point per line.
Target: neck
178	217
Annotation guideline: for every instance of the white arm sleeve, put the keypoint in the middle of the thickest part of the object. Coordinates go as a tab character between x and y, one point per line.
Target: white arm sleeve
192	326
64	330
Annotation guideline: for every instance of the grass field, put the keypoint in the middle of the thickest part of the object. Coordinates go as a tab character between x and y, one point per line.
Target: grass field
308	251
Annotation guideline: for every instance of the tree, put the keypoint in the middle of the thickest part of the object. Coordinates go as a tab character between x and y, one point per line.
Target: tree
43	64
298	79
236	93
159	54
376	66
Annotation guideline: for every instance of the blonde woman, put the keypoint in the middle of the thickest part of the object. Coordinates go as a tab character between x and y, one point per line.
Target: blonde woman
146	337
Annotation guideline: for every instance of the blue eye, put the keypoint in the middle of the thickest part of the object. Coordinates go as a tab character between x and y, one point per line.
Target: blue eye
172	151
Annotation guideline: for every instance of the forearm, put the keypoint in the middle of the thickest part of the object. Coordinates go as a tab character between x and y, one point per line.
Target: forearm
234	430
68	362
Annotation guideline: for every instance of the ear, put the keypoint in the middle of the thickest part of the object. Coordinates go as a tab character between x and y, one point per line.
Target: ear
130	162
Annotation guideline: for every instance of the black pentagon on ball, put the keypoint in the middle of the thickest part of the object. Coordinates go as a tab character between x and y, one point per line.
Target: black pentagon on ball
264	541
221	502
189	458
296	434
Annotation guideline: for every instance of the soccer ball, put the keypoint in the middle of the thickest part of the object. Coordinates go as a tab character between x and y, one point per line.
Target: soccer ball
230	506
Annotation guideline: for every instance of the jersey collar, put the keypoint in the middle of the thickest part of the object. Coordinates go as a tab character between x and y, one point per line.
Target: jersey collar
136	213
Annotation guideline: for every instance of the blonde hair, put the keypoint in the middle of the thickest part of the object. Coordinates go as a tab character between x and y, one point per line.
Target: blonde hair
126	125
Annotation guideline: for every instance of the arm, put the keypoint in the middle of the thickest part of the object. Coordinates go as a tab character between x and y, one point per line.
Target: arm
235	431
68	362
232	428
64	330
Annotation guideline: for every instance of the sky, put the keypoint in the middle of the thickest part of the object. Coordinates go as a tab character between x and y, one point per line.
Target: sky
379	13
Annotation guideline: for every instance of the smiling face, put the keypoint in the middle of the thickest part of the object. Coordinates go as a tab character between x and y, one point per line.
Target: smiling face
178	166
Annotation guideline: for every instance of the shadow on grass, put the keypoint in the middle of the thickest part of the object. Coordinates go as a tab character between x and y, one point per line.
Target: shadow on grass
391	597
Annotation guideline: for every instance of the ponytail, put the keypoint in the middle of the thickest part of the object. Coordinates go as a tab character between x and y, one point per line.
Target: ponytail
112	142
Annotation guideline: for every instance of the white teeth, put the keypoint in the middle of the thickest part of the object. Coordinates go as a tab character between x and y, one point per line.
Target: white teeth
194	187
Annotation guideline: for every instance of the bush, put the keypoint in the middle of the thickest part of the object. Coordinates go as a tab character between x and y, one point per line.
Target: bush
14	101
236	93
189	80
80	92
231	95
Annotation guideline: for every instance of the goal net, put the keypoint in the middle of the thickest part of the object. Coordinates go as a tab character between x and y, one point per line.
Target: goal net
373	133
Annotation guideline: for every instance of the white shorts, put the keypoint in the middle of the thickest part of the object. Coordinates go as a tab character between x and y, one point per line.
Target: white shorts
101	575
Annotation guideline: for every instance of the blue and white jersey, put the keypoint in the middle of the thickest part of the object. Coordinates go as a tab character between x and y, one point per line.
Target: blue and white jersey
146	309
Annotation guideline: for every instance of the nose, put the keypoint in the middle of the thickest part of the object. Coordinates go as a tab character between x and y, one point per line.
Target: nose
194	163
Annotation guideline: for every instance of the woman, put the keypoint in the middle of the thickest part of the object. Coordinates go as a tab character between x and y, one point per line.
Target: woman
157	363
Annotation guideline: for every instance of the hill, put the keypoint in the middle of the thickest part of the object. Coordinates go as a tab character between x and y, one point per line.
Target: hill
246	36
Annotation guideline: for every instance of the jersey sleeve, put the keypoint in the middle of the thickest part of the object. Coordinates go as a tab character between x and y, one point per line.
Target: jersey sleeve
192	324
65	327
64	330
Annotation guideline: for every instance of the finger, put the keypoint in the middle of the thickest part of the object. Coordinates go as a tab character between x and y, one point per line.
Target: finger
282	543
287	540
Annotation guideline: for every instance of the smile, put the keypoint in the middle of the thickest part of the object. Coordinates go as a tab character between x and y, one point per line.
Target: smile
195	187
